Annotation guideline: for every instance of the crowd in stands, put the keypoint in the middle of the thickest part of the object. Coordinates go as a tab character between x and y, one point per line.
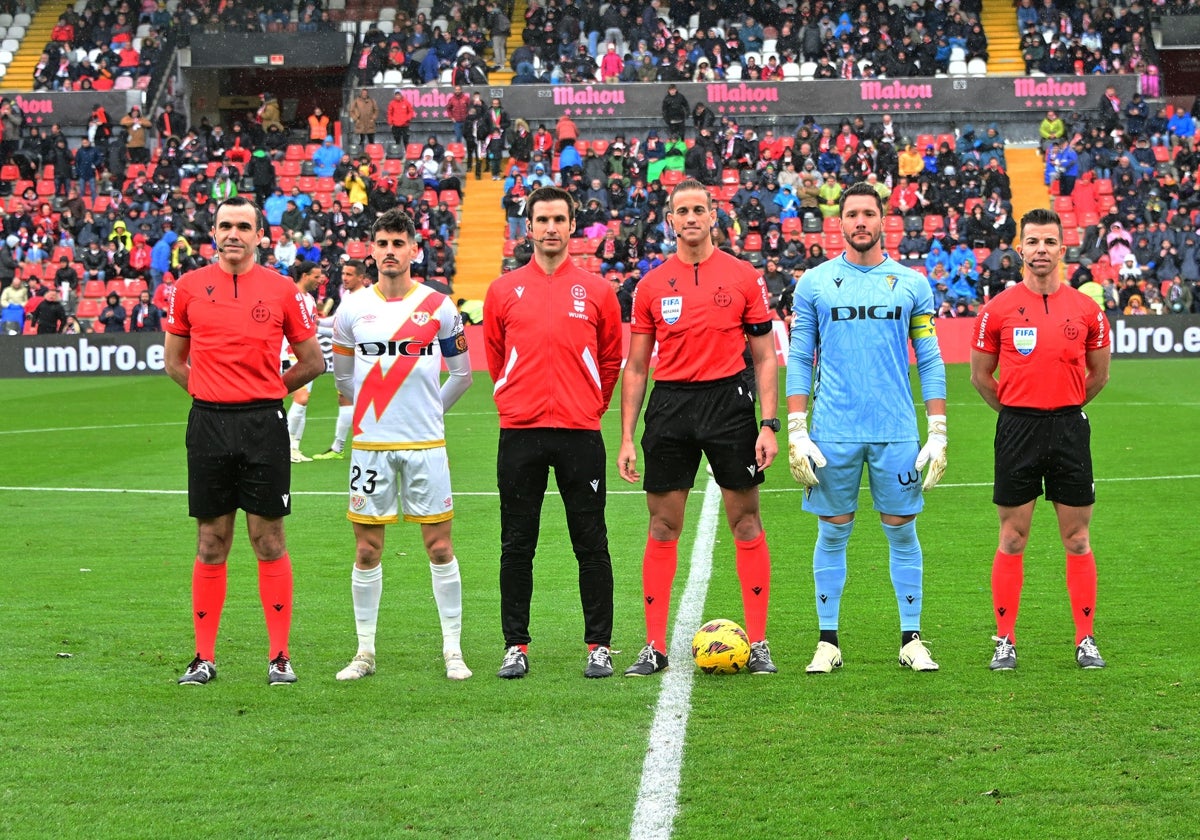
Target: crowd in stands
128	207
685	40
948	198
582	41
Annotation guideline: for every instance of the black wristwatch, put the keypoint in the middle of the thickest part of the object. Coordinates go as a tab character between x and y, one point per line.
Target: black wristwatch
773	424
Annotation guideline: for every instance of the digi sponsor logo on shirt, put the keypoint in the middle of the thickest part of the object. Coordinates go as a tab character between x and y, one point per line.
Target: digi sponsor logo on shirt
1024	339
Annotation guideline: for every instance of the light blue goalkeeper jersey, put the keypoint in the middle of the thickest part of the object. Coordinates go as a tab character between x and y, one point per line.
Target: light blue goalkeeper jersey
856	324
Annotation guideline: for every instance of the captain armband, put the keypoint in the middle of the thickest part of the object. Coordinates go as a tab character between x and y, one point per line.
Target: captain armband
922	326
763	328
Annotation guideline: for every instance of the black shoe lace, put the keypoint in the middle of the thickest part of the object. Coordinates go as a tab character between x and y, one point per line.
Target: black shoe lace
280	663
600	656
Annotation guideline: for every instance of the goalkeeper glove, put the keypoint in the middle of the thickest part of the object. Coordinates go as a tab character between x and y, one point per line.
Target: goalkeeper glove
803	454
933	452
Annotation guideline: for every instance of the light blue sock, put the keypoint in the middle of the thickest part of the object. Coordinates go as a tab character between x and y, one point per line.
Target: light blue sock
829	570
907	564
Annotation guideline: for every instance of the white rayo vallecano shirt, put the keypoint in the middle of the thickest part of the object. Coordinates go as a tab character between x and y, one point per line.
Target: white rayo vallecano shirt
309	303
398	345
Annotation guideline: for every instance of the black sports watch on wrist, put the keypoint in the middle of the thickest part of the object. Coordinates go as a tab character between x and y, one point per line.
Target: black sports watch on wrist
773	424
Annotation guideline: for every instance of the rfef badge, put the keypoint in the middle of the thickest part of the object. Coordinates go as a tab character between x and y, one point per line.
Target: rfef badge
1024	339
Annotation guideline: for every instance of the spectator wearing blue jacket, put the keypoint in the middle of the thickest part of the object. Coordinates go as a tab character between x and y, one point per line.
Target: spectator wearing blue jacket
160	258
937	254
1181	125
274	206
960	254
963	284
88	160
326	158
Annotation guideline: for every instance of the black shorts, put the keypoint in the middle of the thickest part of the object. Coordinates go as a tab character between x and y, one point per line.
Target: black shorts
1051	446
685	419
238	457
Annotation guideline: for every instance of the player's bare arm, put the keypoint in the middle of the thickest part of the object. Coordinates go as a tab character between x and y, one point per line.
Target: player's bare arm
1098	362
310	363
983	377
176	349
633	394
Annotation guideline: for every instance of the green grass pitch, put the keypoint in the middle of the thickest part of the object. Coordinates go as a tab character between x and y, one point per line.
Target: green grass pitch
96	563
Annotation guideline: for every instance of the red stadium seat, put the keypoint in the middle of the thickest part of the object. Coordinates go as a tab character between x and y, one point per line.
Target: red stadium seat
1063	204
413	151
601	147
670	177
752	242
833	224
356	249
294	152
893	223
450	197
934	224
288	168
88	308
1104	186
94	289
374	151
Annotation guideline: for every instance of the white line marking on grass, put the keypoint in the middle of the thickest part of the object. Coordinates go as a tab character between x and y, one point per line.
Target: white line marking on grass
654	814
549	491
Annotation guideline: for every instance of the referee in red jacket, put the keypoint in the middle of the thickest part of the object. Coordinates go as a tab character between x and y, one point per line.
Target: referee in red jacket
553	338
1051	344
225	327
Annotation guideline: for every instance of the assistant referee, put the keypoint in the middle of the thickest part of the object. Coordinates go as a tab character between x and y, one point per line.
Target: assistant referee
224	328
1051	343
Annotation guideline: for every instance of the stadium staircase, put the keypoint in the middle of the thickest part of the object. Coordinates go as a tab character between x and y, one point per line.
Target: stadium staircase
19	78
1027	174
999	20
481	241
516	33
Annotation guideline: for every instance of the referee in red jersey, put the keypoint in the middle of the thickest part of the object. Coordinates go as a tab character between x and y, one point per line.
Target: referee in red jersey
553	337
224	329
1051	344
701	305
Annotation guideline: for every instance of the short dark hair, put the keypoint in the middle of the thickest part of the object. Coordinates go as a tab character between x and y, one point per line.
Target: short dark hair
301	267
260	221
395	221
550	193
358	265
685	185
1041	216
860	188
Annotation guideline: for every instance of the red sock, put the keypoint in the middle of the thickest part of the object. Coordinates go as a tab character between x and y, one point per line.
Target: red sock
658	575
208	597
1008	574
275	590
754	572
1081	586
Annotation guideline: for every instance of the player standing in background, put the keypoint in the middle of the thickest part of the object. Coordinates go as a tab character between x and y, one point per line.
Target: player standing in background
854	316
700	306
553	338
307	275
1051	344
224	327
354	278
389	343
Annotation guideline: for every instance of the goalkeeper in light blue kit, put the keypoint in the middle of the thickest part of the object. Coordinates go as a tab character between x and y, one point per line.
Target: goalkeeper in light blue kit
854	317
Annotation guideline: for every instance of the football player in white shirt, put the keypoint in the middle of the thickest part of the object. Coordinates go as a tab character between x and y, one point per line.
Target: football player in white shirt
354	279
389	343
307	275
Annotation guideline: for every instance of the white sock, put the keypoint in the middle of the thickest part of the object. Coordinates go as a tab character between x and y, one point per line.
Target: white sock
342	431
297	414
366	588
447	592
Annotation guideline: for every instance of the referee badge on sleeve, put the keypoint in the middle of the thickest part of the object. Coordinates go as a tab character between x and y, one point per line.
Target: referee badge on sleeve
1024	339
672	308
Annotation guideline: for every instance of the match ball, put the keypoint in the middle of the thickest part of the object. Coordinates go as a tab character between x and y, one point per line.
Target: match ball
721	646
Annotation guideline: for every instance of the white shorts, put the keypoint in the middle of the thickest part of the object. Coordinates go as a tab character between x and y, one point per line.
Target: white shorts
381	480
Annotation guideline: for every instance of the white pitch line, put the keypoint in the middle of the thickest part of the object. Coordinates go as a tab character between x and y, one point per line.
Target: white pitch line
945	485
658	794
